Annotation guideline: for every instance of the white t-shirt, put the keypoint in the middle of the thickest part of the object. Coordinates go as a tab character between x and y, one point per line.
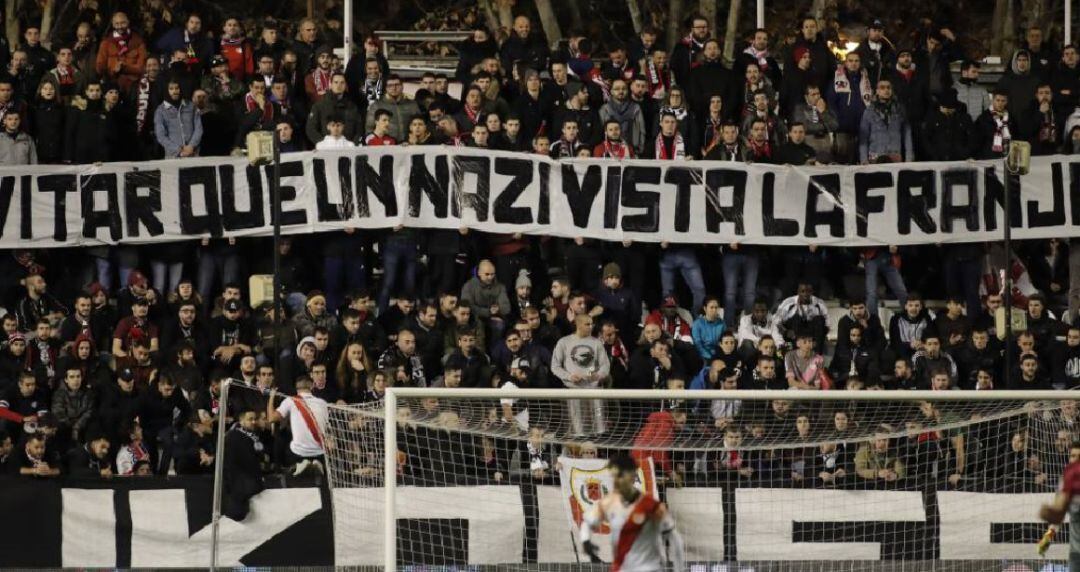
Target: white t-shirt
331	142
303	442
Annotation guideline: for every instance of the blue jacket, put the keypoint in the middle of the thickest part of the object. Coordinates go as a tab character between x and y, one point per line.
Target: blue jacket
176	39
848	106
884	130
706	336
175	127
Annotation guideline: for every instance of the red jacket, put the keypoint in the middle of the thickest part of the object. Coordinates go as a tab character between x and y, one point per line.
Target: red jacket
241	58
654	439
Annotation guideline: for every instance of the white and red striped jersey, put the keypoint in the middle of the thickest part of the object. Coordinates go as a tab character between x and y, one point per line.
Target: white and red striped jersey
637	543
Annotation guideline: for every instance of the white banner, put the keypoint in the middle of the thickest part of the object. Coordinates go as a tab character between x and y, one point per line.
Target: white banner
450	188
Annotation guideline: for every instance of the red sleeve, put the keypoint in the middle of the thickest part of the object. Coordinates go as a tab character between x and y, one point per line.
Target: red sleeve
10	415
1070	480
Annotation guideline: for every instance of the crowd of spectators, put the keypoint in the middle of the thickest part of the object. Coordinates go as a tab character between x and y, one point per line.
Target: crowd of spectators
116	355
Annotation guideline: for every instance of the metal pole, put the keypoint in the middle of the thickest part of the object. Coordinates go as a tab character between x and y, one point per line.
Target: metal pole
1007	282
760	14
835	395
1068	22
275	199
348	31
219	471
390	481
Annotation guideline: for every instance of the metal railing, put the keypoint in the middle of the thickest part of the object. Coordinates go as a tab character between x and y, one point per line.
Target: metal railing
400	61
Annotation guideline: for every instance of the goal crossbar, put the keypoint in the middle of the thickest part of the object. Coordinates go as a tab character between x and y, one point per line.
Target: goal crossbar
393	394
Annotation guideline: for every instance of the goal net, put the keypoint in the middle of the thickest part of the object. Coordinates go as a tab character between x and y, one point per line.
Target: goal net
755	480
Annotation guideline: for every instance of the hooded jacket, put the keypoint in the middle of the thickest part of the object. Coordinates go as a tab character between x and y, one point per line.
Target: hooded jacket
1020	86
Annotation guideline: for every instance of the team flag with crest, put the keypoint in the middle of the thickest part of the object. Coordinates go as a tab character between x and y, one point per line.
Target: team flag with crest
586	481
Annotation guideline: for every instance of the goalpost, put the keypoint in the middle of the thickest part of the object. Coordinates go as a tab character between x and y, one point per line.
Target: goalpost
756	480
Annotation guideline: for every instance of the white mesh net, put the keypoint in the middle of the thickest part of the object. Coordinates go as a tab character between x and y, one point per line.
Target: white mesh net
754	484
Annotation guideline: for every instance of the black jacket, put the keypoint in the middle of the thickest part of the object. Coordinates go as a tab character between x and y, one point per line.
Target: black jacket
709	79
242	472
947	137
47	120
91	132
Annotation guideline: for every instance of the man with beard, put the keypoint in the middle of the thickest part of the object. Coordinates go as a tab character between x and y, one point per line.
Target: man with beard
38	304
627	113
84	322
122	54
855	358
244	455
134	328
92	460
402	358
231	335
685	52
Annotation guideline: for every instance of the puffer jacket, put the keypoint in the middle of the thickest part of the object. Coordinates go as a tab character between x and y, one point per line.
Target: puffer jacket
73	408
17	150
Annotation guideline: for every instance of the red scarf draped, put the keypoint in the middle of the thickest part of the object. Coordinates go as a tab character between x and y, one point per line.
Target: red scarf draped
122	41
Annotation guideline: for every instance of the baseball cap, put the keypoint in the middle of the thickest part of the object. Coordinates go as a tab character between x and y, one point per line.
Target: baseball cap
218	60
231	306
520	363
126	374
670	302
876	25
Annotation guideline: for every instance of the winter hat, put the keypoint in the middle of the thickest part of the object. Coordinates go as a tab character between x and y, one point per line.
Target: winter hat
523	279
305	340
612	269
799	53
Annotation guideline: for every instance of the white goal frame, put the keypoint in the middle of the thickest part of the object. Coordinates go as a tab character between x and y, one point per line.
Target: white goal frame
390	405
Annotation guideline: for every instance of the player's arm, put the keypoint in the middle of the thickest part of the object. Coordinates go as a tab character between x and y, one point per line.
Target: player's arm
676	549
591	520
1054	512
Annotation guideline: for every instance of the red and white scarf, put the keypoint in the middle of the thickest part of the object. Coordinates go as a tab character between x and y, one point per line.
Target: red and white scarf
122	40
1001	130
841	84
65	74
761	57
659	81
616	150
252	105
678	148
321	79
473	116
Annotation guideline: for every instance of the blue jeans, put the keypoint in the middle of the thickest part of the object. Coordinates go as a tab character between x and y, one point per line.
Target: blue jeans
399	257
733	264
338	271
682	260
881	263
214	262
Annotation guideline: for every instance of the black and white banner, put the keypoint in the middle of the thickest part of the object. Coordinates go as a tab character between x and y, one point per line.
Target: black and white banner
165	523
450	188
